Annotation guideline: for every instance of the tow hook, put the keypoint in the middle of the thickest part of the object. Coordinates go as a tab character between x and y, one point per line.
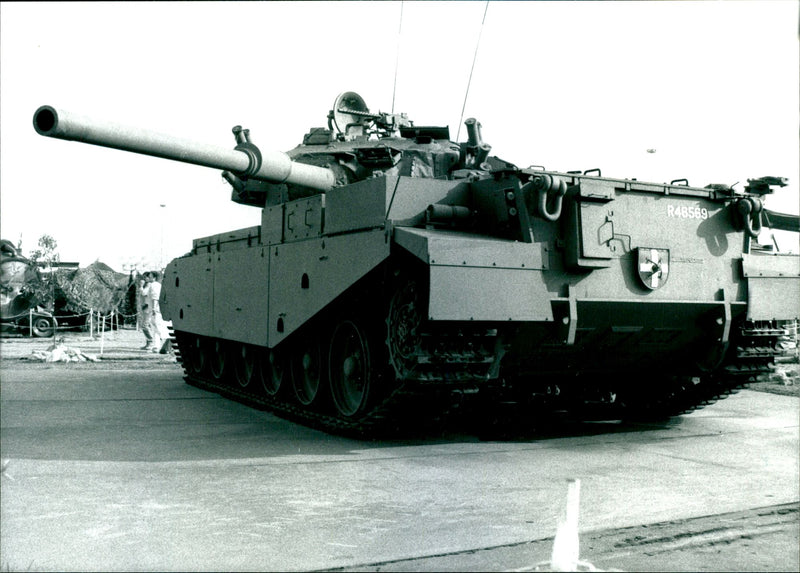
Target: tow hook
546	187
750	209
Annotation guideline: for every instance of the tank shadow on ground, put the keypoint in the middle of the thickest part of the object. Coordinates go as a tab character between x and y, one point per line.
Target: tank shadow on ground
558	426
467	427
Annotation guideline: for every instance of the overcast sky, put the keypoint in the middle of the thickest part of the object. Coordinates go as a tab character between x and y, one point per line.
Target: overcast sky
711	86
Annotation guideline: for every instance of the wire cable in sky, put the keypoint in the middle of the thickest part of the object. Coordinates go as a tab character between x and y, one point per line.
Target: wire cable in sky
397	55
469	81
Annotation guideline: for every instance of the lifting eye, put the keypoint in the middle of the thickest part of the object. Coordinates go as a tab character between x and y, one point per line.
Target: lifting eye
304	281
280	325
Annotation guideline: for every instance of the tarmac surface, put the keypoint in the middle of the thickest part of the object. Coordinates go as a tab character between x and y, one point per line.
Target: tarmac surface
118	465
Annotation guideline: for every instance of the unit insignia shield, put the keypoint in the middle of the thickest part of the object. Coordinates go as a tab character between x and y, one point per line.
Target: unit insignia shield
652	266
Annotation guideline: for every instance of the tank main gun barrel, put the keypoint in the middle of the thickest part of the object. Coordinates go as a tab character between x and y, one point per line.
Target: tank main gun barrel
245	160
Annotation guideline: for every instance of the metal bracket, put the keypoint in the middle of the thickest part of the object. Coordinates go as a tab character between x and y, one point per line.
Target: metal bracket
572	327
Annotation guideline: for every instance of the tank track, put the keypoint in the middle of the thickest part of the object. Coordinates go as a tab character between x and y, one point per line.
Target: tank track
423	398
448	368
378	421
757	347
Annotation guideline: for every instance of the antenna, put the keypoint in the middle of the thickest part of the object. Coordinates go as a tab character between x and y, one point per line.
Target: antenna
397	55
469	81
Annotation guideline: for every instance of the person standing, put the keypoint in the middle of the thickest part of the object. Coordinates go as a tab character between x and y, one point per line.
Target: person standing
149	292
141	313
159	325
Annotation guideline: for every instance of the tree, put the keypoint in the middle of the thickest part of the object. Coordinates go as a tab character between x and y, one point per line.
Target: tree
43	257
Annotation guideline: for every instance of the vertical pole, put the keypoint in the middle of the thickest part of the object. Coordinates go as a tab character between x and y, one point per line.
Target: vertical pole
91	324
138	305
102	332
30	321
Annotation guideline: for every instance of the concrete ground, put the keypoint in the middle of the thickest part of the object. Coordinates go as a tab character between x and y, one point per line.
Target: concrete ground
120	466
109	347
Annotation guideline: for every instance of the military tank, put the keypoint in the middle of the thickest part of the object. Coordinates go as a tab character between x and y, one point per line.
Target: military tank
396	273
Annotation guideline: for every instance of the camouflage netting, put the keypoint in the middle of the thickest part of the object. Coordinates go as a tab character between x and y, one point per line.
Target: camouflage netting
96	287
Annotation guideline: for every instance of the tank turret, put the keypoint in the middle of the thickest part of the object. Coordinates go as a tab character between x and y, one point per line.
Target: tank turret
356	145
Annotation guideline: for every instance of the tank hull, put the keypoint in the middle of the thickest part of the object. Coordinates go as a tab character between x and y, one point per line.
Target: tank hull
354	310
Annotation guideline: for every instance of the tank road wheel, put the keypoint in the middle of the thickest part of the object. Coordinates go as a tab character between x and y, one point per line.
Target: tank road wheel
271	371
349	368
217	359
244	364
193	355
308	368
406	314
